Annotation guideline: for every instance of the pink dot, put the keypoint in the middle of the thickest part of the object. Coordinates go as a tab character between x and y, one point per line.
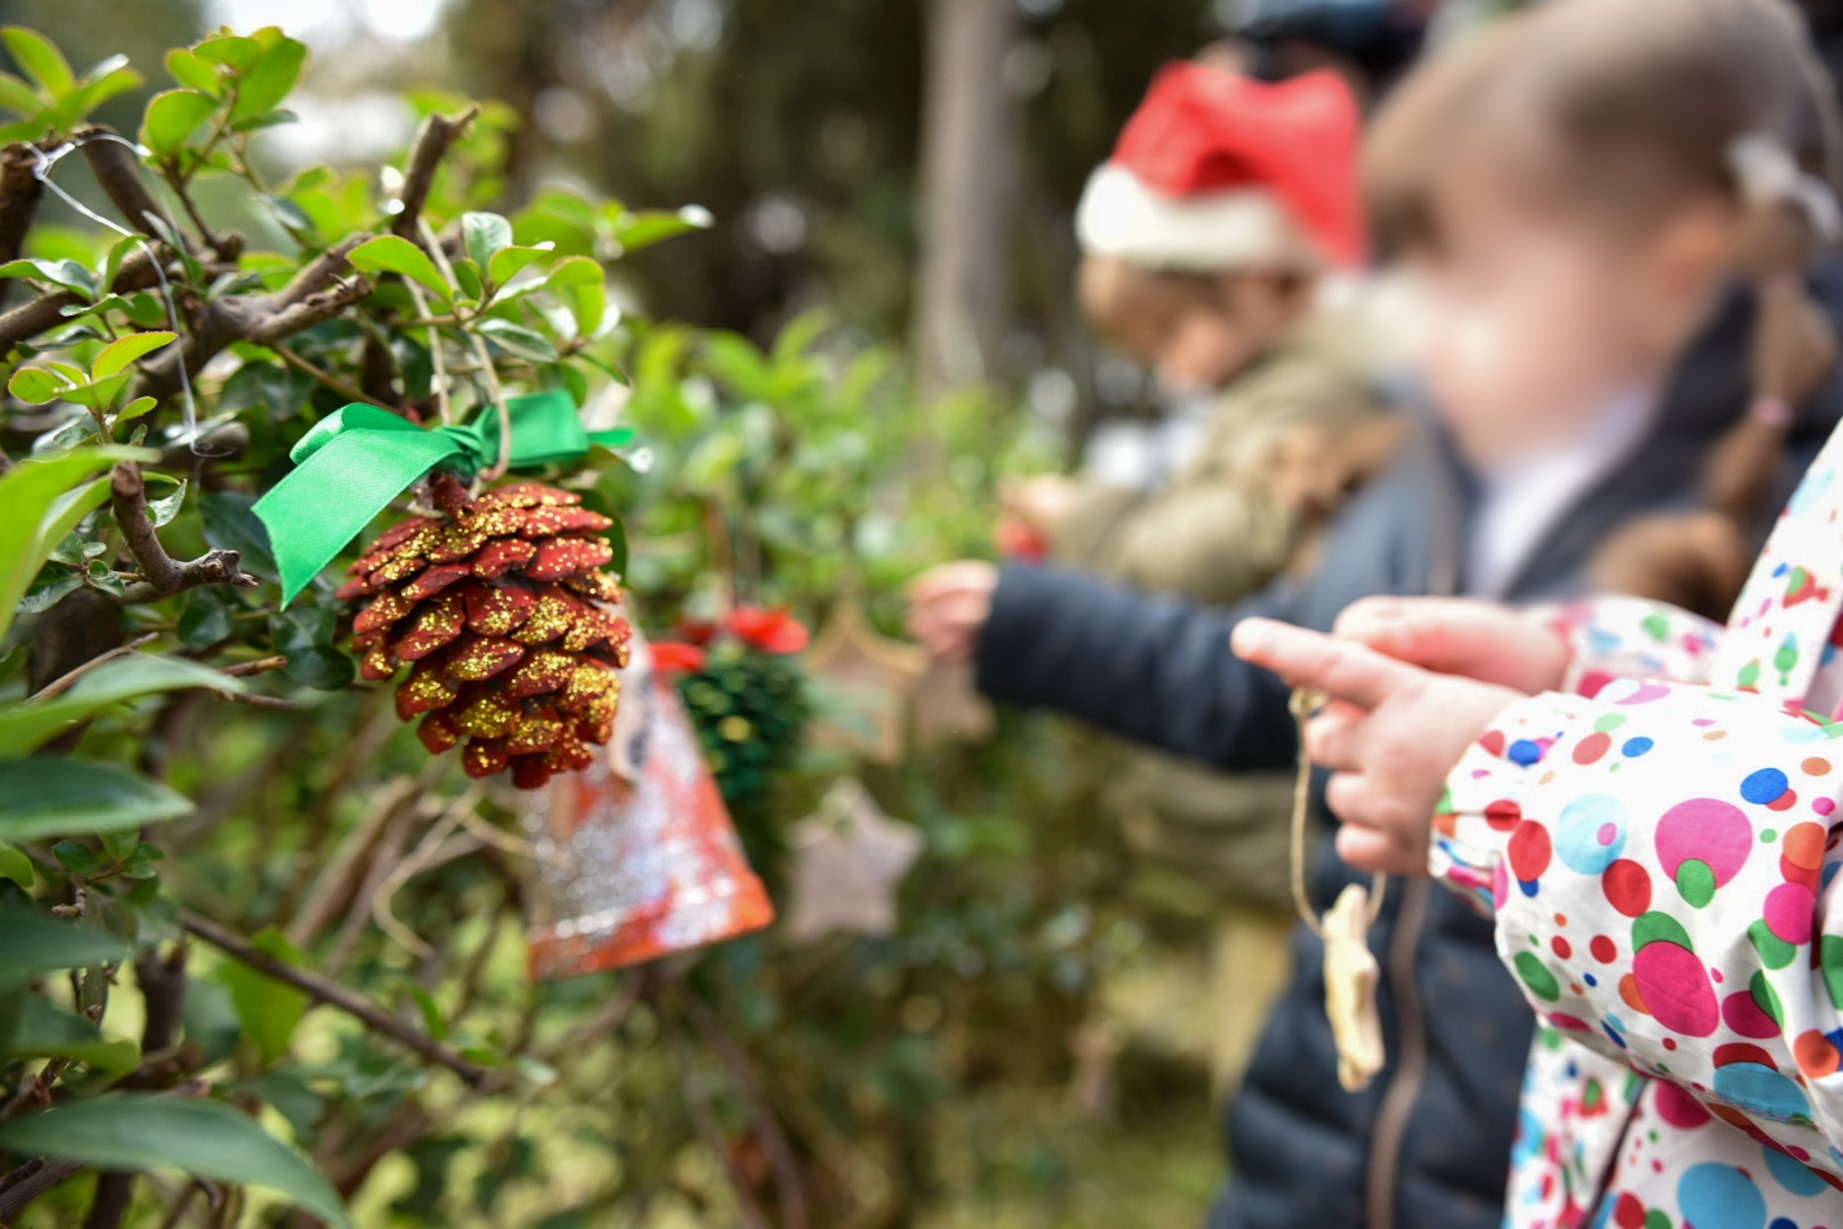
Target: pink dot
1824	806
1708	829
1675	986
1675	1106
1607	834
1741	1012
1788	913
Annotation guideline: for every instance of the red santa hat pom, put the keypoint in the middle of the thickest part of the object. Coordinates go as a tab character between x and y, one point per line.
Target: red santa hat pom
1216	170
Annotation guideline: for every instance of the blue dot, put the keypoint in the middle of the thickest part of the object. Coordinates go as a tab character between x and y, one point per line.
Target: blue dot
1635	747
1523	752
1792	1175
1529	886
1761	1091
1590	979
1782	1222
1764	786
1716	1196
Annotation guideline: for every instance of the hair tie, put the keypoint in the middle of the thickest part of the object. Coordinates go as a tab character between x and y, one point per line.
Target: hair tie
1768	174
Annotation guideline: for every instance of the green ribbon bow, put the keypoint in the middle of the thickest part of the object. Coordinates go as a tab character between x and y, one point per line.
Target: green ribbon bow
355	461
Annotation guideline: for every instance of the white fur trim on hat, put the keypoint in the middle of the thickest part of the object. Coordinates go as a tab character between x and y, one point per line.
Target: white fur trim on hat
1120	216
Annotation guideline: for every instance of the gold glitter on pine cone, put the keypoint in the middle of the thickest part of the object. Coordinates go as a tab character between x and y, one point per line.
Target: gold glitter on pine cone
504	616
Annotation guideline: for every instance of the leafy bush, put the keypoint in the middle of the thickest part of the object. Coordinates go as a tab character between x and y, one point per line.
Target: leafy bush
253	934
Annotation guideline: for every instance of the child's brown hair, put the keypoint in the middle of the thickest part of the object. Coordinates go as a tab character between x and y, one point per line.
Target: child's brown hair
1618	112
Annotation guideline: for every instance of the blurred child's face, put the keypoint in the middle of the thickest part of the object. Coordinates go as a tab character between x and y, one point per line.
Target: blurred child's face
1196	332
1537	321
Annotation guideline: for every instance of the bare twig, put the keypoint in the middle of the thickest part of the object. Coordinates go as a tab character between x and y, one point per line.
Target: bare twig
788	1189
163	986
261	665
69	678
118	172
321	376
494	393
29	1181
333	995
437	136
161	575
30	319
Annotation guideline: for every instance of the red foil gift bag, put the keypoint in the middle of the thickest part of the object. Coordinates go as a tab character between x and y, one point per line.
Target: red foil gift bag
636	855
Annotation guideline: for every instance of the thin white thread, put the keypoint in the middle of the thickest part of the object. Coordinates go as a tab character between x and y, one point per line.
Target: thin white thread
41	171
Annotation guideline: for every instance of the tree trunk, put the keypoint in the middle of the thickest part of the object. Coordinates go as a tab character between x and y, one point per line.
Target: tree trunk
968	177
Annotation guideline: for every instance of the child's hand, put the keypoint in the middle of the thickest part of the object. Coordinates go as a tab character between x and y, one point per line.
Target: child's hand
1390	734
1479	640
948	608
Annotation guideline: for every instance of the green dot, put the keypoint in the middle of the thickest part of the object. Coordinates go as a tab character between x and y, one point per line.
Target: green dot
1696	882
1775	953
1537	977
1657	1219
1769	835
1609	723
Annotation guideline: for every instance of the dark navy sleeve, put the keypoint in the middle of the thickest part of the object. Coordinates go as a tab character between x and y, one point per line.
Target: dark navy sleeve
1151	669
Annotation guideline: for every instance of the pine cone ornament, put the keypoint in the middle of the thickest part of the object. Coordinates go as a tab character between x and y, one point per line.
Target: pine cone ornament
501	610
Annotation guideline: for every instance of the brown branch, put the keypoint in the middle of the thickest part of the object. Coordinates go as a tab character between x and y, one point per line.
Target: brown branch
437	136
319	375
20	189
789	1191
161	575
118	173
163	986
69	678
28	320
333	995
261	665
29	1181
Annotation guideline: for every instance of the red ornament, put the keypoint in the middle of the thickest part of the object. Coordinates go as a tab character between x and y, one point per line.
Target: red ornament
768	631
676	657
503	613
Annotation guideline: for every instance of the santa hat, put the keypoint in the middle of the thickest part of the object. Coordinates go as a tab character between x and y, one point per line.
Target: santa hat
1216	170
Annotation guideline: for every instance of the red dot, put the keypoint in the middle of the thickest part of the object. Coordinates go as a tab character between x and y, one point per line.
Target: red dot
1529	850
1627	886
1604	949
1670	1043
1629	1213
1784	802
1562	947
1591	748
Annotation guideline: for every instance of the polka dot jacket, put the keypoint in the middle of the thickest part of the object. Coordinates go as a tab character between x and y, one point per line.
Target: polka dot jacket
1658	847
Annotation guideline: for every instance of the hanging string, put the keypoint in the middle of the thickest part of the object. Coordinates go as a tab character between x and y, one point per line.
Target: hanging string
43	164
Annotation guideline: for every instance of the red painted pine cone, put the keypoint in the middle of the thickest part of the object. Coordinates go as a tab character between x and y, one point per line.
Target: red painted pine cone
503	613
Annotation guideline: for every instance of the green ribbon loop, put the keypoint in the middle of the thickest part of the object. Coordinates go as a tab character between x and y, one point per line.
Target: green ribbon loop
354	462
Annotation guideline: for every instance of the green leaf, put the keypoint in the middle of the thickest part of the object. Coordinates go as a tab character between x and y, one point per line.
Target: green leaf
211	1019
588	304
32	1026
395	254
118	355
204	1138
42	509
230	525
134	409
32	943
162	511
264	84
508	262
206	619
36	386
485	235
41	59
18	97
234	50
80	859
575	271
305	636
642	229
52	797
269	1010
106	80
192	72
172	117
518	340
24	727
52	584
16	866
65	274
